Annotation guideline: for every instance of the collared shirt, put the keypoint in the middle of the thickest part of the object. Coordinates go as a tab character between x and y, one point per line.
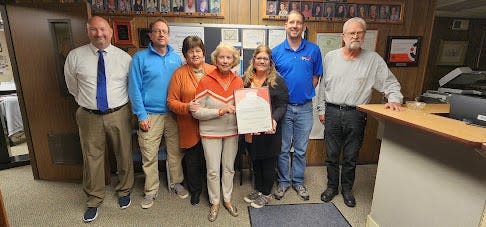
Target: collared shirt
80	72
298	68
150	74
350	82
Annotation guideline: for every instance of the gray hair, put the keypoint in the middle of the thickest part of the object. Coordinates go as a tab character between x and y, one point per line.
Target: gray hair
354	20
234	52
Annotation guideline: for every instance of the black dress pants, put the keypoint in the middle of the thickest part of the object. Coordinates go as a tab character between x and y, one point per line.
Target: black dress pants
193	162
264	173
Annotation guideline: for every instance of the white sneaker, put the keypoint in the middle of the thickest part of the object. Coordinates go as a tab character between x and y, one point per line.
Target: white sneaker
261	201
180	191
147	201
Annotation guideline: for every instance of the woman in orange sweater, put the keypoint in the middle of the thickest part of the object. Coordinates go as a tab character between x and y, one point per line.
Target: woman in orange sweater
182	90
217	126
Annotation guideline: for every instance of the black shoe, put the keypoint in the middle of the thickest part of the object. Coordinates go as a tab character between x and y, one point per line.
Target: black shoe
328	194
349	199
90	214
124	202
195	198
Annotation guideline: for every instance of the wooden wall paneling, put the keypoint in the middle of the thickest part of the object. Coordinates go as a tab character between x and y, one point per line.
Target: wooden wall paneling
49	112
137	22
255	11
316	153
238	12
426	29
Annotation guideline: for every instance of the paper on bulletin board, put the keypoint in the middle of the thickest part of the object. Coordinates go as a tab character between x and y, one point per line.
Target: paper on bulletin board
369	42
252	38
275	37
238	70
179	33
229	35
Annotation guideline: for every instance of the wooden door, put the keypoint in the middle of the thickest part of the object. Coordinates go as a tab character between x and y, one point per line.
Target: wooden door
48	111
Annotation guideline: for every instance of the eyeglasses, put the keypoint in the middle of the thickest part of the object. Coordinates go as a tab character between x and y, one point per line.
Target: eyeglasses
359	33
158	31
261	59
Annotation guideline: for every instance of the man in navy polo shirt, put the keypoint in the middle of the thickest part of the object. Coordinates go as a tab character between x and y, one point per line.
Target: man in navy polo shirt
299	62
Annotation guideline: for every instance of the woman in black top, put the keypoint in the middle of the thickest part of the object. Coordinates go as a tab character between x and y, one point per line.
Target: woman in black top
264	147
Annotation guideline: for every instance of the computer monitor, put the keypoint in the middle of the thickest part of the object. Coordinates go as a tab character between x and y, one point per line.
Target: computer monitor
469	109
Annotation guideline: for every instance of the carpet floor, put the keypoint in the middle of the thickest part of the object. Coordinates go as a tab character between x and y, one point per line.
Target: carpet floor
309	215
32	202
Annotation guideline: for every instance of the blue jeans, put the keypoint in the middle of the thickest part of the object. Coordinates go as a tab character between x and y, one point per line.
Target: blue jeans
344	131
296	127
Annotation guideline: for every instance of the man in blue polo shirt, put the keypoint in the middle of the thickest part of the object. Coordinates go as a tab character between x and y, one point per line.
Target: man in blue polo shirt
148	82
299	62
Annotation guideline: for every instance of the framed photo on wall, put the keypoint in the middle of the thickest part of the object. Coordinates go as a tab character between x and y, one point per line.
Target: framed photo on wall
124	6
164	6
403	51
452	52
151	6
157	8
122	32
110	5
143	38
373	11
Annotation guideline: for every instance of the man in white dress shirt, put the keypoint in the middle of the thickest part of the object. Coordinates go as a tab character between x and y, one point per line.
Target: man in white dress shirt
97	76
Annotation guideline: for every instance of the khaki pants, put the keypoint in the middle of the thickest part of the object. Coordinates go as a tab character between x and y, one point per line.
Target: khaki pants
220	152
95	132
149	142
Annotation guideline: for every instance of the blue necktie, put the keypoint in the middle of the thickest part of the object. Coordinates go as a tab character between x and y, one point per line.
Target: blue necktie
101	98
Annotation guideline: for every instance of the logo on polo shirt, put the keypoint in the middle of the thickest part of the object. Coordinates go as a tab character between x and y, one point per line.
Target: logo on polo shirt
306	58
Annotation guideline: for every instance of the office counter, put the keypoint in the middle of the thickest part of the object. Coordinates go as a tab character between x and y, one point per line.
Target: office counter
431	170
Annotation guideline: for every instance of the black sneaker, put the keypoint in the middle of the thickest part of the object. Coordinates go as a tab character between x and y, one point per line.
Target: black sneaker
90	214
195	198
124	202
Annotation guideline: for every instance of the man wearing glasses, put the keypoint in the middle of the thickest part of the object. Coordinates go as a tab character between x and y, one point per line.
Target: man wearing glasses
350	75
148	81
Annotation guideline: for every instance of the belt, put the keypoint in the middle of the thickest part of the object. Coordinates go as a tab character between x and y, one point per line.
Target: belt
300	104
341	106
108	111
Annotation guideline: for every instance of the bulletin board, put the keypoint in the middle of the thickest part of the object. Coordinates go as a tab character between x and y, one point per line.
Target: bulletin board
248	37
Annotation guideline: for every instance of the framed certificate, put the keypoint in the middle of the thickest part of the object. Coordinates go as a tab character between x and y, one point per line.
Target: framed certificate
253	110
403	51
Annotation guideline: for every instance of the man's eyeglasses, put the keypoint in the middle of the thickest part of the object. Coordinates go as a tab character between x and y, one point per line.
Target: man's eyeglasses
158	31
359	33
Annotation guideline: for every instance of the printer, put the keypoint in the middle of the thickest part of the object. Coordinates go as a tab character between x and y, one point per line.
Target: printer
462	80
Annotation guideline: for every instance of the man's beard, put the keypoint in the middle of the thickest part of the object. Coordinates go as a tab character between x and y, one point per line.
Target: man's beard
354	45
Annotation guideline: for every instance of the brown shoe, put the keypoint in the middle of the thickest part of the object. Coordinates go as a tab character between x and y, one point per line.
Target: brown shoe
231	209
213	213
